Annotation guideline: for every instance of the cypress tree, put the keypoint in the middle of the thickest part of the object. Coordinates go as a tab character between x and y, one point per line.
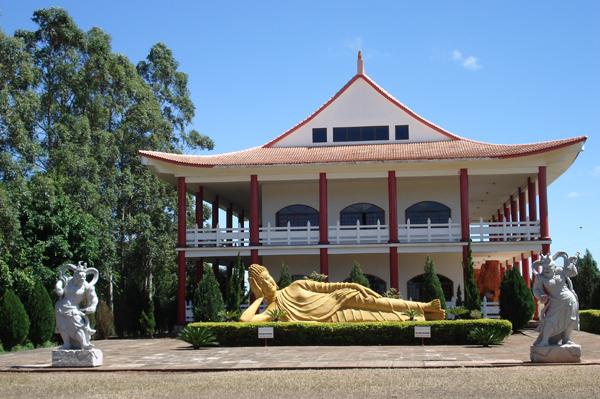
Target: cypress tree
432	288
14	325
208	301
357	275
41	315
516	300
587	279
472	297
459	300
285	278
235	291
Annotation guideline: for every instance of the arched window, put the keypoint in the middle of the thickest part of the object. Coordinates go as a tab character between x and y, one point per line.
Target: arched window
421	211
297	215
363	213
377	284
414	287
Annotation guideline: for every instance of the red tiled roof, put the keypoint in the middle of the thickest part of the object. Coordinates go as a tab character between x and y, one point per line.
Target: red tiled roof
451	149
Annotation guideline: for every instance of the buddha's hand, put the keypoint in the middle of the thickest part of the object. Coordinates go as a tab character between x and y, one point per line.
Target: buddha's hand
366	292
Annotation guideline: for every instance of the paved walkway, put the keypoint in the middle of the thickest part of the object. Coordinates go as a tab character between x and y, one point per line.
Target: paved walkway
168	354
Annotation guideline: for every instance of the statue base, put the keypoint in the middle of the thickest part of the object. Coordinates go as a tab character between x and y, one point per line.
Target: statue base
569	353
77	358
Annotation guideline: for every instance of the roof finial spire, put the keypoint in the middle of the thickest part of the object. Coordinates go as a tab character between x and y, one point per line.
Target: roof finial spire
360	68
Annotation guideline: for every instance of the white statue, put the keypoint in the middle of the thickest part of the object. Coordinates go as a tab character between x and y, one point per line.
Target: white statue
71	321
553	288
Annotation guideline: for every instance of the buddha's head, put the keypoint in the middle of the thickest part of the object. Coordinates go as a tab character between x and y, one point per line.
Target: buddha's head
261	282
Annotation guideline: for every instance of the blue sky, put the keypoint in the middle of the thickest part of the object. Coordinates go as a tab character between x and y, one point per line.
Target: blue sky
497	71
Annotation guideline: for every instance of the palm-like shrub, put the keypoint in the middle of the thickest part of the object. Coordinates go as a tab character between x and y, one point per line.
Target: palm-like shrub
486	336
316	276
41	315
198	337
392	293
230	315
459	312
277	314
411	314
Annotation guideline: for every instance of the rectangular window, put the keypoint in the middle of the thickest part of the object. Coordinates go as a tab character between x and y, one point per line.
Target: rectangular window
401	132
320	135
361	133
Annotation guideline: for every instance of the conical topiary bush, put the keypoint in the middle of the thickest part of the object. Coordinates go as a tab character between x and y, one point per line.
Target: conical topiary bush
14	323
41	315
516	300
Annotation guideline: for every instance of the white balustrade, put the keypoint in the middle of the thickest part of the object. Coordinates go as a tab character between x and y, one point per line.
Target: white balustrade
480	231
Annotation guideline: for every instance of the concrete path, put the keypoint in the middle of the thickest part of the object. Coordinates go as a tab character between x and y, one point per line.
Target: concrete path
168	354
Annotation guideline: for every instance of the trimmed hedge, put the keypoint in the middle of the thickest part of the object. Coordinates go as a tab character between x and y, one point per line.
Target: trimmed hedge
589	321
443	332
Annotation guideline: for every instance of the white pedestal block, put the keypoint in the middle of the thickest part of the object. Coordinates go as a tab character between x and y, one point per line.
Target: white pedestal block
77	358
570	353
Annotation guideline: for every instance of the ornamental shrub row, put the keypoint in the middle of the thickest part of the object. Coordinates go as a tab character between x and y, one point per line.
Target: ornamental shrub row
443	332
589	321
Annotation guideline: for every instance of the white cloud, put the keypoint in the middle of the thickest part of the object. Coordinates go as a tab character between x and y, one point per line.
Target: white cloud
468	62
574	194
596	171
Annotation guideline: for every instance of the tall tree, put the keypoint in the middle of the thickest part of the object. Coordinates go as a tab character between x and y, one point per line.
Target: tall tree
357	275
587	279
472	299
516	300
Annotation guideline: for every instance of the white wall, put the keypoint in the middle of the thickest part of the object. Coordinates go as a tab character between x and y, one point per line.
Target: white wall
441	189
409	266
341	193
361	105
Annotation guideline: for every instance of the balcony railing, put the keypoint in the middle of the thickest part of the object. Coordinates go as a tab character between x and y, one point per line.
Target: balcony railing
480	231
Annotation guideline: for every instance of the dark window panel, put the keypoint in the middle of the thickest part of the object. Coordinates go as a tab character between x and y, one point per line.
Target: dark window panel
401	132
319	135
297	215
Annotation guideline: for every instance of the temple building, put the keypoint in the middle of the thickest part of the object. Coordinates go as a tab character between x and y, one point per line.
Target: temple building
366	179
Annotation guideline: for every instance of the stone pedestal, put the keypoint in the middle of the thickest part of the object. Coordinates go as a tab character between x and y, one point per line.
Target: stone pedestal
77	358
570	353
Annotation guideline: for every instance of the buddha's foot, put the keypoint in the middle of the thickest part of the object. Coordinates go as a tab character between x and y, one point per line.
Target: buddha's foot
434	311
433	305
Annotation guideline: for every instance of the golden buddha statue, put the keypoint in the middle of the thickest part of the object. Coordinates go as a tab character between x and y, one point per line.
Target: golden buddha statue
307	300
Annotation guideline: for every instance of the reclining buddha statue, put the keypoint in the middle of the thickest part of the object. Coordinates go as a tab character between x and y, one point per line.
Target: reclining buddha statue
306	300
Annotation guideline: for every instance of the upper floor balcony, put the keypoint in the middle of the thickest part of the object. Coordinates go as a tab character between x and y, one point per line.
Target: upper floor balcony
450	232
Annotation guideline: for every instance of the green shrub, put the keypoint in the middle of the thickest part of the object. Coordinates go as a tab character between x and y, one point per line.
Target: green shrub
488	335
459	312
586	281
285	278
41	315
411	314
197	336
392	293
357	276
147	323
235	291
432	288
443	332
316	276
14	323
589	321
208	301
459	300
516	300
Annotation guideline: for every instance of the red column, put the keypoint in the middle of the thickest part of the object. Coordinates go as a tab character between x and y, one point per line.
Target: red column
323	224
507	214
500	215
199	222
464	214
254	236
543	198
392	206
394	267
531	194
215	212
525	270
181	210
